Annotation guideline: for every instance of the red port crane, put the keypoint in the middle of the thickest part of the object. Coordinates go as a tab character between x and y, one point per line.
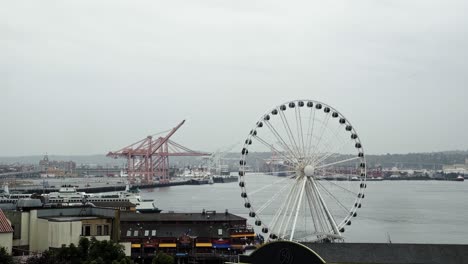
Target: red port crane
149	158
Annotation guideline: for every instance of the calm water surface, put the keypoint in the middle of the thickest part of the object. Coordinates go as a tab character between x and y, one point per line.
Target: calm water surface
404	211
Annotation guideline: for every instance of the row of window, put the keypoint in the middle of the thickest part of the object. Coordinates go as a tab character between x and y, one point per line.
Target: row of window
137	233
100	230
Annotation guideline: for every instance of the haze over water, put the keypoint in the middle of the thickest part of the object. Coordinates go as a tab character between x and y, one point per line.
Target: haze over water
405	211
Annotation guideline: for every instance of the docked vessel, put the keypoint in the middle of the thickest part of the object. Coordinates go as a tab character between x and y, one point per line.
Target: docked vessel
375	179
68	196
224	179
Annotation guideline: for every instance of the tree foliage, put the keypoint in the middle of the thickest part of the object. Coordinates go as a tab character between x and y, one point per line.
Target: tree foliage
5	257
87	252
163	258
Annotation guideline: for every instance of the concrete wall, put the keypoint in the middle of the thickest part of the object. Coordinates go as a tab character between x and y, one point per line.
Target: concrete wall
24	239
6	241
63	233
41	236
127	248
33	230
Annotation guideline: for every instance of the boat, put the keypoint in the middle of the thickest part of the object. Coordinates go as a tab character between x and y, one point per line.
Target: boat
460	178
375	179
198	181
69	195
224	179
224	170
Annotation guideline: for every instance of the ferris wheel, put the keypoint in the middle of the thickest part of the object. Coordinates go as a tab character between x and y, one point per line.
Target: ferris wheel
302	173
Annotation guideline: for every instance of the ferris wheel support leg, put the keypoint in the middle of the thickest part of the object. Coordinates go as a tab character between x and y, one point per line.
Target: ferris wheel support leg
327	212
298	207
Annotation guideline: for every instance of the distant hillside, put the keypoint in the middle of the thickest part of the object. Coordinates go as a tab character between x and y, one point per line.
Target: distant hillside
433	160
84	159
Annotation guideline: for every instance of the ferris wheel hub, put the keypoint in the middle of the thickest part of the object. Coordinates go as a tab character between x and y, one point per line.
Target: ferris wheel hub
309	170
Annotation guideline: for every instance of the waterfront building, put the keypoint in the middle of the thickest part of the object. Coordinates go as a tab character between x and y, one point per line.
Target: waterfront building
201	236
205	235
38	230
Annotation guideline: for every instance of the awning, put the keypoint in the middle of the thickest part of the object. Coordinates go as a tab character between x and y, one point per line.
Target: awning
237	246
167	245
150	245
243	235
136	245
203	244
221	245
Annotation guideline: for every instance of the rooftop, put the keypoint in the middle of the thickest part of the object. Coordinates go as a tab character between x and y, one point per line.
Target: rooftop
5	226
200	217
70	218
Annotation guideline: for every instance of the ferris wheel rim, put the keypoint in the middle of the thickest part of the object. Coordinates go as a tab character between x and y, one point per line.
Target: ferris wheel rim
242	170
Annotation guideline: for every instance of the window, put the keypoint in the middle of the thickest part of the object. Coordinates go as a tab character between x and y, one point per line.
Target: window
106	230
153	232
220	232
99	230
129	233
135	233
146	233
86	230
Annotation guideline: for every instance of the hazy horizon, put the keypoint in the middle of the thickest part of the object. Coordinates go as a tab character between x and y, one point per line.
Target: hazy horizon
91	77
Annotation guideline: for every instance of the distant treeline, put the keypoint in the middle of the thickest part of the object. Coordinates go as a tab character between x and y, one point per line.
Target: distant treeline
433	160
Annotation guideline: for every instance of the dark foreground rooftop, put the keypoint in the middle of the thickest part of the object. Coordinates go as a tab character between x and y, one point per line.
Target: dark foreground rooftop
362	253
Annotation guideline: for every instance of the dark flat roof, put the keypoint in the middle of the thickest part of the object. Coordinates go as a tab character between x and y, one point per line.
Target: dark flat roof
221	217
70	218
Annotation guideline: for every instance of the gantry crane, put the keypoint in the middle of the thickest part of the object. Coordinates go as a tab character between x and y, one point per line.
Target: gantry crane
149	157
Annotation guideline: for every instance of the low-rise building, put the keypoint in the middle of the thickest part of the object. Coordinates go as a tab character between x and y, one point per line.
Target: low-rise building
200	236
6	233
42	229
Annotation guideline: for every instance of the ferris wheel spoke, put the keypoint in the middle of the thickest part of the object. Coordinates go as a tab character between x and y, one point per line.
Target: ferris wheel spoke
341	205
330	218
343	188
272	199
314	216
281	153
317	209
300	133
281	141
336	162
330	151
298	207
316	146
277	225
290	134
310	131
271	184
335	136
289	214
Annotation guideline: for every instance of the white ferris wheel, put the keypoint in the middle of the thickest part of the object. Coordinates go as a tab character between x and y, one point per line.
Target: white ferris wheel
302	173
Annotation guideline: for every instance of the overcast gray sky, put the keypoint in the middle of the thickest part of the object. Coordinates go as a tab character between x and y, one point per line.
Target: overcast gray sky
86	77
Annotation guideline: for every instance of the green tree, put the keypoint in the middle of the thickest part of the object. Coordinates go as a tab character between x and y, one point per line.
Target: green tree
163	258
5	257
47	257
83	247
108	251
125	260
